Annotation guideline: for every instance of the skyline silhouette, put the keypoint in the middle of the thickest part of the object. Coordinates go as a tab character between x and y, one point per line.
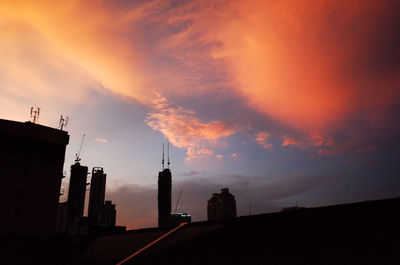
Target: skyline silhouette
283	104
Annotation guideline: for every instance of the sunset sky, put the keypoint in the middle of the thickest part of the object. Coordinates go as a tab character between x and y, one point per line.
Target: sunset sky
283	102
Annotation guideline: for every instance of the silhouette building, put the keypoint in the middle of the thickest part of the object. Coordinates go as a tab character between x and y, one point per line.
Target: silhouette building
164	197
76	194
164	193
97	194
31	162
109	214
178	218
221	206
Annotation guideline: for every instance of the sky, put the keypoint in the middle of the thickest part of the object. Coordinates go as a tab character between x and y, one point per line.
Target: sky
283	103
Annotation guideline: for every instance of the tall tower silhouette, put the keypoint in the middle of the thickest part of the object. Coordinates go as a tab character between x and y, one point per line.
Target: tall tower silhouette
97	193
76	193
164	194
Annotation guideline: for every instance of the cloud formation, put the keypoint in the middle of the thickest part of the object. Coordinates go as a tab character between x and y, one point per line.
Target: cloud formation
290	141
101	140
183	129
81	45
262	139
307	66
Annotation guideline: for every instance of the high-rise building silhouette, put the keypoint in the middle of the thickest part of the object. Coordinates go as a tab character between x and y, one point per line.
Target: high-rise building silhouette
221	206
97	194
164	197
211	207
164	193
76	194
31	162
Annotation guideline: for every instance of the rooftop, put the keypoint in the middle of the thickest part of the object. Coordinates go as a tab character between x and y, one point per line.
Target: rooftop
358	233
34	131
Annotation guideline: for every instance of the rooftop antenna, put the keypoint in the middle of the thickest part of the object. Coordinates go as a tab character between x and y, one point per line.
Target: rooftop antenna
35	112
162	161
78	155
168	153
63	122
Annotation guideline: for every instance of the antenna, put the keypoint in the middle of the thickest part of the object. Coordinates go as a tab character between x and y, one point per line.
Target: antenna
63	122
78	155
168	153
35	112
162	157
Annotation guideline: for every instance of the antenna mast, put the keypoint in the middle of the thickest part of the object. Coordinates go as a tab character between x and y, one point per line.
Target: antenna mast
78	158
162	161
168	153
63	122
35	112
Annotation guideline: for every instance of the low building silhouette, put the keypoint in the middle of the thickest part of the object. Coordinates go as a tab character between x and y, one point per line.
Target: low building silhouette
32	159
178	218
109	214
221	206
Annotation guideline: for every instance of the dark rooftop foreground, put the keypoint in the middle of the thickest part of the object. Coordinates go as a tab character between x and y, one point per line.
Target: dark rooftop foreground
359	233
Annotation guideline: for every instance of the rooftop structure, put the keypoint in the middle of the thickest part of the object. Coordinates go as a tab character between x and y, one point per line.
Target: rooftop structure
178	218
32	160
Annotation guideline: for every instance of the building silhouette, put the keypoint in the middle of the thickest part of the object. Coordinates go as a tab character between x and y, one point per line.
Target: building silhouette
76	194
164	197
32	160
109	214
97	195
221	206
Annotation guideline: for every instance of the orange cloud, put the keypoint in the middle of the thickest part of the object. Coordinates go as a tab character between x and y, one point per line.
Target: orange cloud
193	152
306	65
84	40
183	129
101	140
291	60
290	141
262	139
